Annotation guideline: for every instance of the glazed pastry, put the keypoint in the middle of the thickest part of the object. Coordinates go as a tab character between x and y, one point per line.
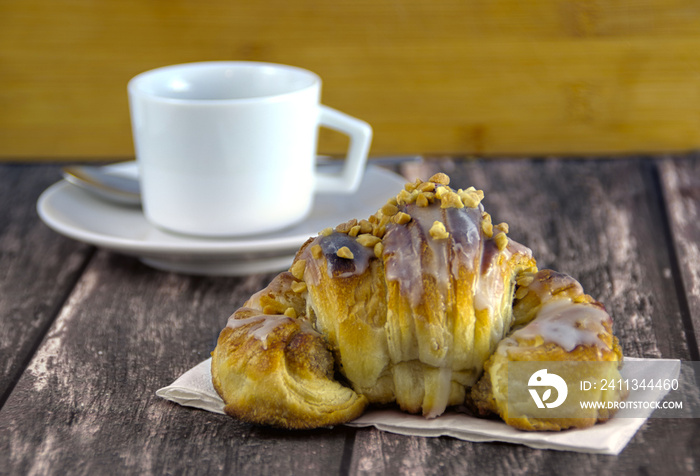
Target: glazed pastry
554	322
406	306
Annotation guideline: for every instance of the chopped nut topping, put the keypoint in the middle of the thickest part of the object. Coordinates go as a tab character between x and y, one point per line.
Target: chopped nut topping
411	186
422	200
345	252
451	200
440	178
389	210
379	230
298	268
316	251
486	225
379	249
373	219
365	226
440	191
502	227
470	197
401	218
354	231
438	231
405	197
290	312
345	227
427	187
326	231
501	241
368	240
299	287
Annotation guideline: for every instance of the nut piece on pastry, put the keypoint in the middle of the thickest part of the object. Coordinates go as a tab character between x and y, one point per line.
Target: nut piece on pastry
405	306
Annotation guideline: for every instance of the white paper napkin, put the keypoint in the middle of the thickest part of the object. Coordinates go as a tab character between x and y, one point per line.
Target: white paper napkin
194	389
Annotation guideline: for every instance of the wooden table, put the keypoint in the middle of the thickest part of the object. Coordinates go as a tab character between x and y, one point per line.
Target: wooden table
87	335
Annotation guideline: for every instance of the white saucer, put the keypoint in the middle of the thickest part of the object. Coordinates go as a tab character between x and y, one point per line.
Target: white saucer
76	214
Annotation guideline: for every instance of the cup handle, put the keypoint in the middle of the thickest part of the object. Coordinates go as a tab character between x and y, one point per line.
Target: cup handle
360	133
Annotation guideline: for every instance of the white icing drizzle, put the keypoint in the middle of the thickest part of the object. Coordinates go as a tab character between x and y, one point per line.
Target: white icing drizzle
566	324
488	289
411	253
261	325
341	267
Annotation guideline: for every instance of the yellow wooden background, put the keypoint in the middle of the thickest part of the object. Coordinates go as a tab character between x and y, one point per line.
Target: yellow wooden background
431	76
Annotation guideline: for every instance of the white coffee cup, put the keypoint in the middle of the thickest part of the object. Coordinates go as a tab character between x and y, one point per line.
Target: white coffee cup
228	148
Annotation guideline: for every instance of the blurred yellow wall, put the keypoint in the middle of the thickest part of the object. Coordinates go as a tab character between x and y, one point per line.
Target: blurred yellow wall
431	76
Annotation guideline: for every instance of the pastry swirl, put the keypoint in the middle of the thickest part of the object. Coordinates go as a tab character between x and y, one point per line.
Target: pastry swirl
407	306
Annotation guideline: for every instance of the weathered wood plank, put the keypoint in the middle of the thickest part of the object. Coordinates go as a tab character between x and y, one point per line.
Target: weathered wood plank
37	268
661	445
602	223
681	183
86	403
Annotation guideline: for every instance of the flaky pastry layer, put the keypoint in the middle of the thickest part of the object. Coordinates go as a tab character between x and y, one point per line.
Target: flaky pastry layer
410	306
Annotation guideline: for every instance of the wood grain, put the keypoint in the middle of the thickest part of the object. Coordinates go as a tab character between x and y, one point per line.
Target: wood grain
85	403
380	453
681	181
549	76
91	384
37	269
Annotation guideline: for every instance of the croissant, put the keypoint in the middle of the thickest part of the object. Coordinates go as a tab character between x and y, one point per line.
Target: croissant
422	304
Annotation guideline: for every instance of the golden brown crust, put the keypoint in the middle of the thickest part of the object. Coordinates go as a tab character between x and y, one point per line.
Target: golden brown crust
547	301
281	376
407	305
